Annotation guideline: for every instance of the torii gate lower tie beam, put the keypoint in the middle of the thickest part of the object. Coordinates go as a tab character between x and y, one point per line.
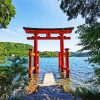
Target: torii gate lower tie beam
48	32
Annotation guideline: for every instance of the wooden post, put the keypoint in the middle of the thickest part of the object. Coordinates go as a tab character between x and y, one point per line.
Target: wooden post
36	52
38	62
30	64
62	51
59	60
67	62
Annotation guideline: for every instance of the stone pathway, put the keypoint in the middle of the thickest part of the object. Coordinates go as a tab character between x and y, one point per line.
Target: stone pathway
50	93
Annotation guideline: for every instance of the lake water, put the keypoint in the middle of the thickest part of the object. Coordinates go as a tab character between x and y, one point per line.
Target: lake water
80	70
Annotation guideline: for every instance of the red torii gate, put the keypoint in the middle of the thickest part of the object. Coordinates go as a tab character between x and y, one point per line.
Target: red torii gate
48	32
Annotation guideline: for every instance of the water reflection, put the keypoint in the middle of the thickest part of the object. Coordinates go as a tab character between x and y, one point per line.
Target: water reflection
66	84
80	72
33	84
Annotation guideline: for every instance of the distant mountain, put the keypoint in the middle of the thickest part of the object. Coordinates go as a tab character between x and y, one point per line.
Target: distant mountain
55	54
48	54
79	54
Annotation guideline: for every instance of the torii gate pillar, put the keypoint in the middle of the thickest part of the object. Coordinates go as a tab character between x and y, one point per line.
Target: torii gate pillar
62	52
36	53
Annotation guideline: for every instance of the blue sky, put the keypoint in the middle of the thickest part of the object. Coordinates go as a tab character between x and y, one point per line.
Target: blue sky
40	14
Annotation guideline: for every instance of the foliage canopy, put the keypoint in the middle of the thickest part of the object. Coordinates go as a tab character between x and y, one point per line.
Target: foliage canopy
13	77
7	12
88	9
90	40
89	33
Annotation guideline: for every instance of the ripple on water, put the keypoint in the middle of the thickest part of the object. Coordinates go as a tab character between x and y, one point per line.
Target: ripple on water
80	70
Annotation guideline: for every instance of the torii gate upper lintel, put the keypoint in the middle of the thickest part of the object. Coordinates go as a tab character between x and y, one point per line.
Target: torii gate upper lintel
48	32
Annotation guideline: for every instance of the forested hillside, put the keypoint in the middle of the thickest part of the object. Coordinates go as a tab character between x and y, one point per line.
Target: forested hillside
48	54
9	48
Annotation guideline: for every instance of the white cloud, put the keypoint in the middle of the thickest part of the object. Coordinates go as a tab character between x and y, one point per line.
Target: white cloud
12	32
8	31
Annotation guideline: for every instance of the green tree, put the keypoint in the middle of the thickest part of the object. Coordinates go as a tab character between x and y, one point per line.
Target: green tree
88	9
87	94
89	33
90	40
7	12
13	77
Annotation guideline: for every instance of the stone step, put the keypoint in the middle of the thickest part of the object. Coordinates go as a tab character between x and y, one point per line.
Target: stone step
48	80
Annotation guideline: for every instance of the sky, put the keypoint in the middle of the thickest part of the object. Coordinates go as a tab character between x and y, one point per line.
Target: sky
40	14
